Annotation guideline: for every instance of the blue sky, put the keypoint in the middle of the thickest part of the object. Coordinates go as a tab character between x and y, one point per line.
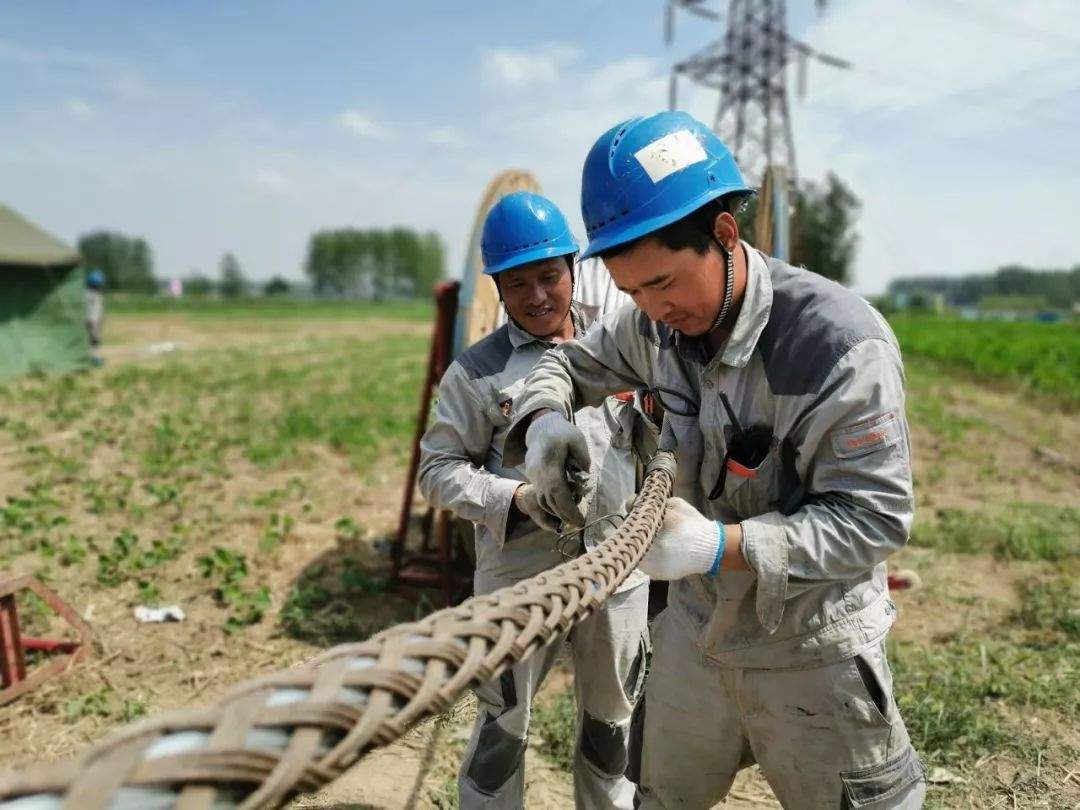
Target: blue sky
208	127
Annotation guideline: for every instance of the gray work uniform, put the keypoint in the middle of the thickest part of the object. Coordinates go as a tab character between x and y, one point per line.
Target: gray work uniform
784	664
461	469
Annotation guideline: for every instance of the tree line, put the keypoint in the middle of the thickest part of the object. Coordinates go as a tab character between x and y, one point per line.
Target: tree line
374	263
397	262
1057	289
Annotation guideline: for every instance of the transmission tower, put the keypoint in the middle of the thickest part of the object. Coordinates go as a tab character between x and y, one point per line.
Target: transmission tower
748	65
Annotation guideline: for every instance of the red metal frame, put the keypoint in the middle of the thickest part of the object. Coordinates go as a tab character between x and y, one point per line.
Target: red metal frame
445	566
14	679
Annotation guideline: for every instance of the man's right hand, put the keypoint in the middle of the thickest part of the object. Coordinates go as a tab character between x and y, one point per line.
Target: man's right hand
553	446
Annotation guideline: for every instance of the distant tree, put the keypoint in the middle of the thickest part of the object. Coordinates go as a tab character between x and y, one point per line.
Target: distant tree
432	263
127	263
821	230
232	283
1054	289
823	237
277	286
199	285
374	263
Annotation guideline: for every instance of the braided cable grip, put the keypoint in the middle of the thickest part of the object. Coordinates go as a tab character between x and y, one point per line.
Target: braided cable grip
293	731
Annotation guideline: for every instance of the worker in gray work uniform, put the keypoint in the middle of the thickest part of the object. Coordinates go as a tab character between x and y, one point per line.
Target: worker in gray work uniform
784	400
529	251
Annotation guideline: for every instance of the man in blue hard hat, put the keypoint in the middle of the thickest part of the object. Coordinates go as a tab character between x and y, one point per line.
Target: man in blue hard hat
784	407
528	250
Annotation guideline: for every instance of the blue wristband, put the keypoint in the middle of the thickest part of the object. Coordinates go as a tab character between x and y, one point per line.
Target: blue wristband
721	537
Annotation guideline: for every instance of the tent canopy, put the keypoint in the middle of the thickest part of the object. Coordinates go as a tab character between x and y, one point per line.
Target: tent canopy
23	243
42	301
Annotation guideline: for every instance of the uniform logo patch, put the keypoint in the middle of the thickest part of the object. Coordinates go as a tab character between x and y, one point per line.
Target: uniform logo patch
864	437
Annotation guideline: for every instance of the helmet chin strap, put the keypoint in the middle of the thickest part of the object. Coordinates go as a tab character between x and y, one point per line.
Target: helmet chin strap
729	285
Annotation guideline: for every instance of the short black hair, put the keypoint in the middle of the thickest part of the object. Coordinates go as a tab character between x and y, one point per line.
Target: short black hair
694	231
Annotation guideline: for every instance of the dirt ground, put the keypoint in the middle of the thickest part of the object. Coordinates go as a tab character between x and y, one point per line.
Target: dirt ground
975	447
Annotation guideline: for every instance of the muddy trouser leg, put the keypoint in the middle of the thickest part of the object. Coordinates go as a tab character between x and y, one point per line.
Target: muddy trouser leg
609	650
693	735
493	770
833	736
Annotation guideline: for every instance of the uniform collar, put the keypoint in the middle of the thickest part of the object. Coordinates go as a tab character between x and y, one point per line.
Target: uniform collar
578	314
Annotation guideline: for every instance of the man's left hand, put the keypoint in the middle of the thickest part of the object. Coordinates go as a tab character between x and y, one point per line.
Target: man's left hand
528	503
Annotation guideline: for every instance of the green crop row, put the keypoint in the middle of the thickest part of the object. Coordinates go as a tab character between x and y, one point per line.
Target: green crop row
1042	357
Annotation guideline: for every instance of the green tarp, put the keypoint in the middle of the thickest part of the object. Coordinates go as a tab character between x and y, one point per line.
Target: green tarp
42	301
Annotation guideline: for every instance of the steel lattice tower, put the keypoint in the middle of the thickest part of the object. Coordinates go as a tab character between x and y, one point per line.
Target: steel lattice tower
748	65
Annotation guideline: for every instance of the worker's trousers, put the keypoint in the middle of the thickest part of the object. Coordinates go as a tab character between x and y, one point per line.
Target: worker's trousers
826	737
609	657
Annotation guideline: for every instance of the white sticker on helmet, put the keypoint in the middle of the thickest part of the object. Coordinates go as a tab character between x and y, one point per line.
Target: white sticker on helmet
669	154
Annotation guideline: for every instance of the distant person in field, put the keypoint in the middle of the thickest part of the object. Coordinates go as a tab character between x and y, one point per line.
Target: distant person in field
529	251
95	310
783	397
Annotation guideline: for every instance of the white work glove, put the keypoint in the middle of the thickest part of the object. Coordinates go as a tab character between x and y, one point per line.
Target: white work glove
527	501
554	449
687	543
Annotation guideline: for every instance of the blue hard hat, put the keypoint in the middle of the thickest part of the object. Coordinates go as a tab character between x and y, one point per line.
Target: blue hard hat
95	278
646	173
524	227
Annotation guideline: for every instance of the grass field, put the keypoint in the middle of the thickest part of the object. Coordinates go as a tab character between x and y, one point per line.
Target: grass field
245	462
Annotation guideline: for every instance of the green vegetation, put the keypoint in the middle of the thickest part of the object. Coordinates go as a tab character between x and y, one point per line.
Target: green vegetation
1011	288
272	308
1019	531
554	721
126	262
822	232
950	695
122	471
1042	357
1053	606
375	263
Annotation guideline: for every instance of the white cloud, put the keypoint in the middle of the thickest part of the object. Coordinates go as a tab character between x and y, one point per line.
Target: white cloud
629	74
361	124
450	137
270	179
49	57
911	55
512	68
78	108
133	87
950	115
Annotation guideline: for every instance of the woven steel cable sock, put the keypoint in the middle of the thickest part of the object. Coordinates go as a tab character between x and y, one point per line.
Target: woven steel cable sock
292	732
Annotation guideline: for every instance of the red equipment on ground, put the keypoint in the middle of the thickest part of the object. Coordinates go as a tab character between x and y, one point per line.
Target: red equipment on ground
442	560
14	678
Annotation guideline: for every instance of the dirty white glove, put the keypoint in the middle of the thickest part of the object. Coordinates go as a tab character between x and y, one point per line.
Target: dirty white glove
556	448
687	543
527	501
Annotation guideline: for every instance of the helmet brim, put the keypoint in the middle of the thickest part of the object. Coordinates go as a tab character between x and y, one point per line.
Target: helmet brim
652	224
534	255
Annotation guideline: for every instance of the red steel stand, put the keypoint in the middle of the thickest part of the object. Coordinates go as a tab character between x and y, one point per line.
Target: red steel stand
440	562
14	680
